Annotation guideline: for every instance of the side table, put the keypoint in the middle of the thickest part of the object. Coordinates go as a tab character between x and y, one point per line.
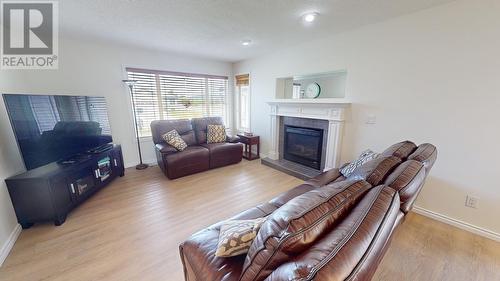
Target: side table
248	142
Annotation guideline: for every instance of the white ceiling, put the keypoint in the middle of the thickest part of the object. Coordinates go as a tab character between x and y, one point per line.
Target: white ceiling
214	28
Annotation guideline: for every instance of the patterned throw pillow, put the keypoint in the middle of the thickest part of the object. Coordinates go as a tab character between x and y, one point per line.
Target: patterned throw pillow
365	156
216	133
236	236
174	139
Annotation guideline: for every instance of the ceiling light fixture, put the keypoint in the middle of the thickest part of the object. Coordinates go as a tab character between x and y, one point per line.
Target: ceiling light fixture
310	17
246	42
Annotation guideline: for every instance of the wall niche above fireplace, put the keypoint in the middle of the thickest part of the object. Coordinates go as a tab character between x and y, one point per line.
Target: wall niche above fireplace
332	84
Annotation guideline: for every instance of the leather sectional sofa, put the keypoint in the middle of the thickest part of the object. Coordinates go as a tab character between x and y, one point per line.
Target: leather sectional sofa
329	228
199	156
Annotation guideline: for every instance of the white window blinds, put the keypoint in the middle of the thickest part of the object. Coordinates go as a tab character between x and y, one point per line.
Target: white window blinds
163	95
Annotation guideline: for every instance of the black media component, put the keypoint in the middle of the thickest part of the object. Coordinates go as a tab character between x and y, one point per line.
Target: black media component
50	192
56	128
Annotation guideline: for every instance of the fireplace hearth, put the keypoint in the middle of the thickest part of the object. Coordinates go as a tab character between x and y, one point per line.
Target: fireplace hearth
303	145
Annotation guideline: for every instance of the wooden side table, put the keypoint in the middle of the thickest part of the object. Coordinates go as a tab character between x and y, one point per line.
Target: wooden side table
249	141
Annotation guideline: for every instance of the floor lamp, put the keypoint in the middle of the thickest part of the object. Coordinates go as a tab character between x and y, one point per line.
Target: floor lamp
130	84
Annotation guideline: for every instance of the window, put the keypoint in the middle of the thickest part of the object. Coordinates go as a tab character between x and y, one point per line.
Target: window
243	96
163	95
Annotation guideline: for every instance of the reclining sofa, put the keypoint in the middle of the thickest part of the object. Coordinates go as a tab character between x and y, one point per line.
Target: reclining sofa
328	228
199	156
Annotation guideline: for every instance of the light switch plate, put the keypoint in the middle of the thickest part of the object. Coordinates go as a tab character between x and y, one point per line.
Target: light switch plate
371	119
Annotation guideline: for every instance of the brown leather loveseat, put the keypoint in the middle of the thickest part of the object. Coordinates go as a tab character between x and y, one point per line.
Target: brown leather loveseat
329	228
199	155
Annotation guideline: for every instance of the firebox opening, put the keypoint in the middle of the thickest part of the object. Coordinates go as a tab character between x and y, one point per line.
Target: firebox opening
303	145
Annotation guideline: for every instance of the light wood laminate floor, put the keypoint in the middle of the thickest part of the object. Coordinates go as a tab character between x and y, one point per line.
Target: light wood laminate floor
131	231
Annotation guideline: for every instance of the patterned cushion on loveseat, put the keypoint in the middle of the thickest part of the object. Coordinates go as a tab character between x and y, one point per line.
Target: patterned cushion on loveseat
174	139
216	133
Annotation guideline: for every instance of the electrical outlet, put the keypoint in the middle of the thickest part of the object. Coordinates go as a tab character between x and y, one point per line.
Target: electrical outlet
471	201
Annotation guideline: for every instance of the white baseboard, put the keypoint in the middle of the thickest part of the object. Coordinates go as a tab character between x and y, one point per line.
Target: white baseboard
458	223
7	246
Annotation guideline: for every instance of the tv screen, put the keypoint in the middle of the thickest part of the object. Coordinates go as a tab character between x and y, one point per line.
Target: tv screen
54	128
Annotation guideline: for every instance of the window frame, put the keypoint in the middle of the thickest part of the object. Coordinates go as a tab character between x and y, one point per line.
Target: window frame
238	110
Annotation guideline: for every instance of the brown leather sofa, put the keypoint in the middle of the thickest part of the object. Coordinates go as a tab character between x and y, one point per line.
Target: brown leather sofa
329	228
199	156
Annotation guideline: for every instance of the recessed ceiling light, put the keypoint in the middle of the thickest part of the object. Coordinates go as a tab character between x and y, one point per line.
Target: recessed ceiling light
246	42
310	17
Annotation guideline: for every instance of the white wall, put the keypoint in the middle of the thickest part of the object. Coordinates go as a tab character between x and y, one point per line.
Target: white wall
88	68
10	164
431	76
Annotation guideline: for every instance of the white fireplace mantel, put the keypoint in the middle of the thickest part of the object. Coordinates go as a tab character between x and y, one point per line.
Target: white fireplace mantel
333	110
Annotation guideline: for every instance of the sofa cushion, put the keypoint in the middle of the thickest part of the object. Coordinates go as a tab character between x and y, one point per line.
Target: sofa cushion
182	126
401	150
200	127
222	154
236	236
407	179
267	208
298	224
425	153
286	196
174	139
354	248
339	179
189	161
259	211
376	170
216	133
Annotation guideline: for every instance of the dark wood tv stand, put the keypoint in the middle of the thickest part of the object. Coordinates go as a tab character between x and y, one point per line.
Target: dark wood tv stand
50	192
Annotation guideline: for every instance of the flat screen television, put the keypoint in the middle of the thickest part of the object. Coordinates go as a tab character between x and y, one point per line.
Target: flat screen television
56	128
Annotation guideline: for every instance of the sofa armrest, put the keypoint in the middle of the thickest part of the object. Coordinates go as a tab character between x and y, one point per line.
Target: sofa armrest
199	260
165	148
324	178
233	139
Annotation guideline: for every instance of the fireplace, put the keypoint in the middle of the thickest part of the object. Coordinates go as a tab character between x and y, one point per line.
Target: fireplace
303	145
321	115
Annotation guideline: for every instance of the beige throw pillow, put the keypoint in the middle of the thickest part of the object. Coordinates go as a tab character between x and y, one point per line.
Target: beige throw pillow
236	236
174	139
216	133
